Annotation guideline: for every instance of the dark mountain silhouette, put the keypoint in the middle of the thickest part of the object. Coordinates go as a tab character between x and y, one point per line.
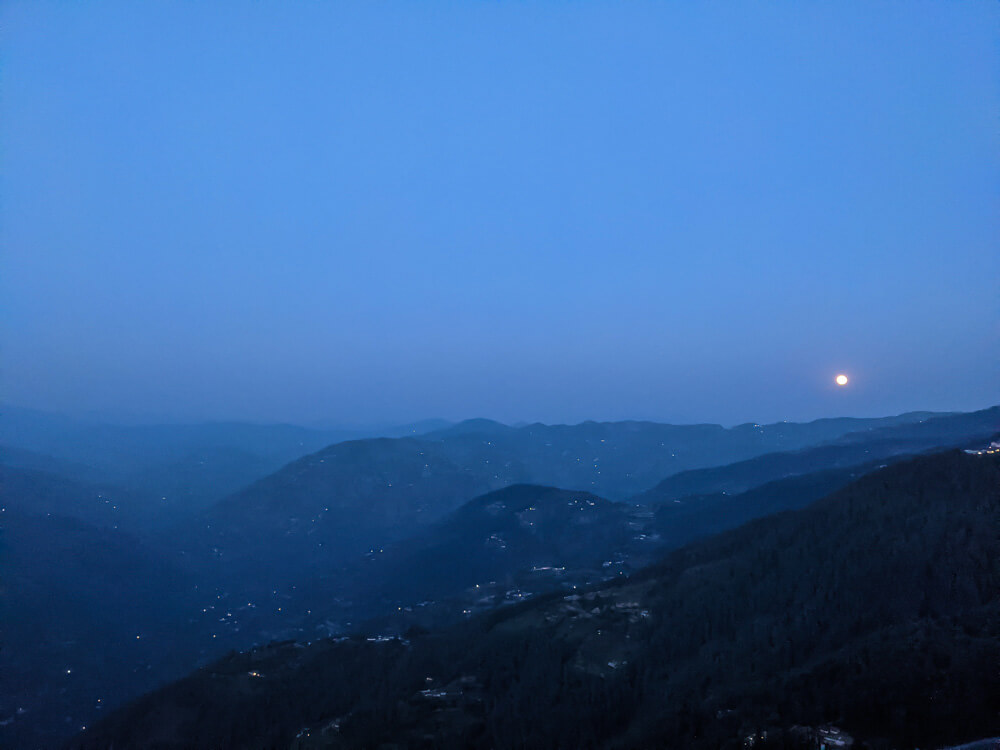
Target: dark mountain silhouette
526	540
932	427
875	608
188	465
496	549
362	495
693	517
850	449
619	459
516	529
521	541
380	532
336	504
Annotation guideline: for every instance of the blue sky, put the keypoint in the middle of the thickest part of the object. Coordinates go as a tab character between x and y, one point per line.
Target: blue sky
373	212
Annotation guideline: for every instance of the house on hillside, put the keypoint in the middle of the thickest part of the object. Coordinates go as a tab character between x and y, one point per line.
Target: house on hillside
993	447
832	738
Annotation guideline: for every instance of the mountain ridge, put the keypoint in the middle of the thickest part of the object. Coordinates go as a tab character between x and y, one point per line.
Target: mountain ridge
885	593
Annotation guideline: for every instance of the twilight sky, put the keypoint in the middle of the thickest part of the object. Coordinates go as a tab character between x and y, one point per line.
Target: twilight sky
369	212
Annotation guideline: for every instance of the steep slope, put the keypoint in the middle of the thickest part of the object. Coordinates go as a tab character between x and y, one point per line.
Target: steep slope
693	517
495	550
877	608
502	546
520	541
73	599
336	504
522	526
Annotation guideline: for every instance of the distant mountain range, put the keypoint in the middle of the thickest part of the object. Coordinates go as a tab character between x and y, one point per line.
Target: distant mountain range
358	496
187	466
619	459
511	551
846	450
389	536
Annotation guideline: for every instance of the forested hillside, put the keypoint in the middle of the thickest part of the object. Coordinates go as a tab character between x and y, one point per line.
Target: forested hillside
876	608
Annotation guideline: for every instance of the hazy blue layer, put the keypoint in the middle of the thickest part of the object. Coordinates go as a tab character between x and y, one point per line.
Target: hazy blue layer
562	211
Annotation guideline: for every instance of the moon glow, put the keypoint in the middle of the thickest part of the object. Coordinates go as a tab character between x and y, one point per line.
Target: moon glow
841	380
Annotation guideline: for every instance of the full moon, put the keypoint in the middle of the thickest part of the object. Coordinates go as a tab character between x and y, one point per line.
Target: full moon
841	380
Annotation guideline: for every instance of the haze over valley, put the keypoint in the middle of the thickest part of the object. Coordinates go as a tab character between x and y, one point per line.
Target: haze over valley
418	376
384	537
